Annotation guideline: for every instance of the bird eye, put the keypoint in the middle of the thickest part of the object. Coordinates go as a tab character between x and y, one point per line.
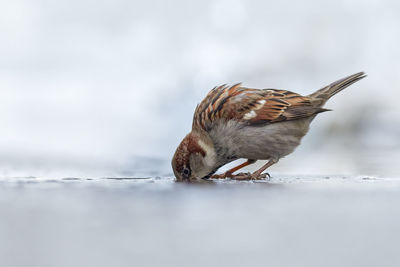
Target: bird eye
186	172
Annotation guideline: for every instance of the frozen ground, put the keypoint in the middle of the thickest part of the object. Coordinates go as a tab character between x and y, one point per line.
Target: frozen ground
287	221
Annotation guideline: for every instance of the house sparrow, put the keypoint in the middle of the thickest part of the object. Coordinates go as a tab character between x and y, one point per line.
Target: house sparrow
235	122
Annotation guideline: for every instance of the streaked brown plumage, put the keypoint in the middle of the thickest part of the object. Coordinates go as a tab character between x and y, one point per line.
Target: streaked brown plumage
257	124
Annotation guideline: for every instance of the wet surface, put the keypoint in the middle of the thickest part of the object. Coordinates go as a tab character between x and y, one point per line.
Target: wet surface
152	221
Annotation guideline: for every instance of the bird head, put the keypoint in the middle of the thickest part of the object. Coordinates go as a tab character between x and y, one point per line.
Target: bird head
195	158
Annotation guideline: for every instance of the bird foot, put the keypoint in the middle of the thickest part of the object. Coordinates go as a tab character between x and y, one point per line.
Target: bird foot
250	176
222	175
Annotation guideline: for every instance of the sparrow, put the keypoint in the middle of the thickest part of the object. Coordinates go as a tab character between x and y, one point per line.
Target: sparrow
235	122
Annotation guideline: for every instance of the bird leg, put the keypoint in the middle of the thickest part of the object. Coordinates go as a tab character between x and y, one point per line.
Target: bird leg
229	173
257	175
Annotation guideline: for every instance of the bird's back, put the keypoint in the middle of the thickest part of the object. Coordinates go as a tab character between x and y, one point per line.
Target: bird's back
261	123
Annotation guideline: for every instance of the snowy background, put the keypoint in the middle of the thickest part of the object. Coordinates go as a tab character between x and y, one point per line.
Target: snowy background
98	87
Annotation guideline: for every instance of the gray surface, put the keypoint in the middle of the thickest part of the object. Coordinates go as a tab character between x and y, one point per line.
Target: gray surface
287	221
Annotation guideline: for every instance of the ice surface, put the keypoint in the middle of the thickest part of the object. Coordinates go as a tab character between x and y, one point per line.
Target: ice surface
291	220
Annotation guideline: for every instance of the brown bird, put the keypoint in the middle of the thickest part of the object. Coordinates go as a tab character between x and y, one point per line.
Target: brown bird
235	122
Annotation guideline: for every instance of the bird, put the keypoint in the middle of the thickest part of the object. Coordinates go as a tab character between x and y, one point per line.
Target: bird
235	122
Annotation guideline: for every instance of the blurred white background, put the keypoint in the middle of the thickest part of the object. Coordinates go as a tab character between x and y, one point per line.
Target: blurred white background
104	87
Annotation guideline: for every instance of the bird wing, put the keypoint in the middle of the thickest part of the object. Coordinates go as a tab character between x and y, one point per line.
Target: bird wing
254	106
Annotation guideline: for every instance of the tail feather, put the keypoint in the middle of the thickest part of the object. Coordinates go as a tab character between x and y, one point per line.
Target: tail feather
323	94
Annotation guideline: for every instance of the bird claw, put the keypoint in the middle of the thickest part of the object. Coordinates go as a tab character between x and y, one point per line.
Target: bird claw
250	176
242	176
222	175
262	176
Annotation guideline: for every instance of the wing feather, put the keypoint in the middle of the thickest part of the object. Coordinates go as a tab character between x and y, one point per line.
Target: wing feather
254	106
